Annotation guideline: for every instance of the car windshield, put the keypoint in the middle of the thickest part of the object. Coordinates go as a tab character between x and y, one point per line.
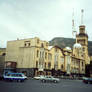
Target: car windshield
49	76
40	76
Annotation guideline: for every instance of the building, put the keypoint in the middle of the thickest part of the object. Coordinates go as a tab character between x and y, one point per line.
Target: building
89	68
57	61
27	55
35	57
2	51
2	60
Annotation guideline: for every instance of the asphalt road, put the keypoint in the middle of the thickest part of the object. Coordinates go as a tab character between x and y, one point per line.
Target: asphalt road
36	86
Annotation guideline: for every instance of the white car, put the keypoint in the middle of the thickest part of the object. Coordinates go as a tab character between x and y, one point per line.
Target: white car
39	77
50	79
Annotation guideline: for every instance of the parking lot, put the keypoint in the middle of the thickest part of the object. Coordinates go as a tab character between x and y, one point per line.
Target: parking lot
32	85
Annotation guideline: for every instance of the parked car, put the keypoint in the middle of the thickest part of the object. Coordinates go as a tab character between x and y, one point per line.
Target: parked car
87	80
39	77
50	79
19	77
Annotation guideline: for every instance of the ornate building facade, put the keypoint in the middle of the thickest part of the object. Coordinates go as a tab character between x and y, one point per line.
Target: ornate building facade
35	57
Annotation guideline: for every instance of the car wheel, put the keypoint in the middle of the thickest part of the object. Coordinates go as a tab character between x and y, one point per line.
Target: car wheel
86	82
55	81
18	80
43	81
11	80
89	82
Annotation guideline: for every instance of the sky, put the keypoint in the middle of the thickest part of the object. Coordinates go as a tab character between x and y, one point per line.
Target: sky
45	19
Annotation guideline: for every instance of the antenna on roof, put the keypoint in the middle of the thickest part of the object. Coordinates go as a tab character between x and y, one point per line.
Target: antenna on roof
73	25
17	38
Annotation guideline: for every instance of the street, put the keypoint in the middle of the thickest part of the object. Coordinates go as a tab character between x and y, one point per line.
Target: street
32	85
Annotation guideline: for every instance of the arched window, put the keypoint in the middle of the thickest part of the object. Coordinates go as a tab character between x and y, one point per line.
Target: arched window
49	65
28	44
45	65
25	44
62	66
37	41
3	54
37	53
82	64
42	45
46	55
36	64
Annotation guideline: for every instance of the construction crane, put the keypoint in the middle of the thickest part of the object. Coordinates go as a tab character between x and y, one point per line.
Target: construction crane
73	26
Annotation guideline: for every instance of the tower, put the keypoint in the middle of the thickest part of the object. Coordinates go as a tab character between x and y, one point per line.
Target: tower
82	38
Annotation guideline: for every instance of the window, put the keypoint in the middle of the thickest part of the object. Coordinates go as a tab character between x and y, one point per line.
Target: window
36	64
3	54
56	50
37	41
49	65
42	45
82	69
27	43
82	64
37	53
41	54
45	65
61	66
83	49
46	55
62	59
46	44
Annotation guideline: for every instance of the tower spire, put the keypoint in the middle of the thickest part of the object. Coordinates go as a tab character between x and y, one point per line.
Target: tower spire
82	26
82	11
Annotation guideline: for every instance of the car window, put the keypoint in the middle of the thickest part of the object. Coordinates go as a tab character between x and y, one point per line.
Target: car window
8	75
49	77
13	75
20	75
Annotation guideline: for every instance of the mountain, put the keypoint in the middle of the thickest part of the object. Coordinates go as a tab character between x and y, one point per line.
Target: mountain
64	42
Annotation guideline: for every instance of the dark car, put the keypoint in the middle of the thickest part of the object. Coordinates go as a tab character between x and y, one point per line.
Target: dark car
87	80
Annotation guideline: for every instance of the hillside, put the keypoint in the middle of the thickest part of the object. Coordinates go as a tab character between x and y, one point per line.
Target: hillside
63	42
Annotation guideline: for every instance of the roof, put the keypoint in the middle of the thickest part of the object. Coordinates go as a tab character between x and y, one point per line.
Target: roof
14	73
50	47
68	48
82	34
77	45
